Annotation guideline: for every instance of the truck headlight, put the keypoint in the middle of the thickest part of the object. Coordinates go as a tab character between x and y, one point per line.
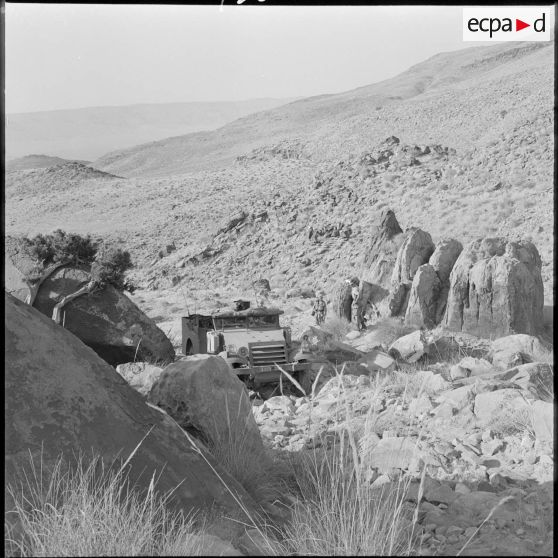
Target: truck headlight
243	352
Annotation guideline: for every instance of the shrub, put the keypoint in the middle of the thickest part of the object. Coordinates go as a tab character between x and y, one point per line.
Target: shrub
61	246
337	327
91	510
108	265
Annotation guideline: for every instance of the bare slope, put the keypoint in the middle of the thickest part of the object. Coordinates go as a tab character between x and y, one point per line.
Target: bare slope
435	98
90	132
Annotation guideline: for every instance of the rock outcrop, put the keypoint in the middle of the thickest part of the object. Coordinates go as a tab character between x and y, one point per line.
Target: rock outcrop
415	251
496	289
341	300
379	258
423	298
62	399
442	260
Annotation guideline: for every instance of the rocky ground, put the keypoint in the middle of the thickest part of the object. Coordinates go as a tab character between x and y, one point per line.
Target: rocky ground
482	437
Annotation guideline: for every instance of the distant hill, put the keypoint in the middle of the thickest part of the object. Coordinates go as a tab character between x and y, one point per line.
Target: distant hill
88	133
37	162
433	101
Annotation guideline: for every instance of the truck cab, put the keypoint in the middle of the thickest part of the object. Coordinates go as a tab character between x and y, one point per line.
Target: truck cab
250	340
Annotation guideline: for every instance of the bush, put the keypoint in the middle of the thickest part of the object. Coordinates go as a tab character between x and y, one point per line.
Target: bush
107	265
337	327
61	246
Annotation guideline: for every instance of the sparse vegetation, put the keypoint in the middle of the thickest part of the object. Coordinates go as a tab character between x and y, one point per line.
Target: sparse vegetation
61	246
108	264
91	509
337	327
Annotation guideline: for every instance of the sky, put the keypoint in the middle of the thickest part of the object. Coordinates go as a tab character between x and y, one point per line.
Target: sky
64	56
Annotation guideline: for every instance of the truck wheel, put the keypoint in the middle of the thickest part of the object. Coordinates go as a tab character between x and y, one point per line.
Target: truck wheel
304	378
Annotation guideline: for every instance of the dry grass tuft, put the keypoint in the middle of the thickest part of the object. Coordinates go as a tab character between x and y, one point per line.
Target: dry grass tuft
91	510
337	327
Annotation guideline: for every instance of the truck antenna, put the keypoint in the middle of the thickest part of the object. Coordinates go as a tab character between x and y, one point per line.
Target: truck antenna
185	300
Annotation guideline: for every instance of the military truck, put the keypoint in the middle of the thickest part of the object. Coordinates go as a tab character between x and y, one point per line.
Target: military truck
251	340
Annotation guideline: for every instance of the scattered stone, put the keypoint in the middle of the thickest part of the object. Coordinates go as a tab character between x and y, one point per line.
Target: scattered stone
514	350
457	372
140	375
410	348
378	361
399	453
536	378
543	420
489	405
432	382
458	398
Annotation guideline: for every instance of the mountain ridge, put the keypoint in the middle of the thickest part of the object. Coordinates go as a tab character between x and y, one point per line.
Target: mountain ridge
206	150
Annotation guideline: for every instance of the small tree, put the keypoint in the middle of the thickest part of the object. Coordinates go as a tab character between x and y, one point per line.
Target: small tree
108	265
61	246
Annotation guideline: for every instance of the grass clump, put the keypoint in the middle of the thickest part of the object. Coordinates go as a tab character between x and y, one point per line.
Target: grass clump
337	327
91	510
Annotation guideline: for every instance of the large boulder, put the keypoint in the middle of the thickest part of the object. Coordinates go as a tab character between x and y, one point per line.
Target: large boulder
106	320
423	298
444	257
206	398
492	404
342	300
415	251
442	260
496	289
410	348
62	399
381	253
514	350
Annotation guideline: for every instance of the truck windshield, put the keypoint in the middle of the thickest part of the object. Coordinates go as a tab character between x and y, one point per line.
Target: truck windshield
247	322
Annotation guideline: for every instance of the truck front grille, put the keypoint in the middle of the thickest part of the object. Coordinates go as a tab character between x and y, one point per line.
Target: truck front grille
266	354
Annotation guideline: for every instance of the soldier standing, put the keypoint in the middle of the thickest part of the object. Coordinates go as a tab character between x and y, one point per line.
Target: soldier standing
319	309
356	315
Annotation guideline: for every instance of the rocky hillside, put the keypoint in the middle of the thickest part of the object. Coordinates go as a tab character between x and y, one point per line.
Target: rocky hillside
460	145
